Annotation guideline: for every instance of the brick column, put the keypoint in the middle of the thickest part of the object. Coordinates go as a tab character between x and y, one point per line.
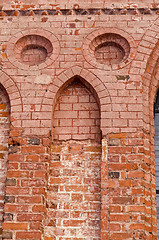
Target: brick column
124	187
25	187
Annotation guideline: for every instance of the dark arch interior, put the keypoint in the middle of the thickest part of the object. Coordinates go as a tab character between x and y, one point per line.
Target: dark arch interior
156	104
156	124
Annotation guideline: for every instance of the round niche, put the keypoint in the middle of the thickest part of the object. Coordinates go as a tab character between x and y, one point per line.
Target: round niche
109	50
33	49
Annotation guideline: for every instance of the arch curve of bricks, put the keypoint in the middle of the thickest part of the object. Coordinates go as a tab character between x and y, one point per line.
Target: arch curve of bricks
13	93
149	50
93	80
10	101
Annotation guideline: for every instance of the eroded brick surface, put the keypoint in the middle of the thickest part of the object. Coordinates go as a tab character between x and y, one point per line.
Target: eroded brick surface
73	193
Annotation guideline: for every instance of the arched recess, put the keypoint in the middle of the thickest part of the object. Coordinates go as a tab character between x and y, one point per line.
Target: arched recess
94	81
76	112
74	182
153	89
4	135
12	91
150	88
146	58
150	85
10	103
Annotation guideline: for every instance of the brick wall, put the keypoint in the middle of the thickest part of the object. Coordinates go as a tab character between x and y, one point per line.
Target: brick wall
78	85
4	134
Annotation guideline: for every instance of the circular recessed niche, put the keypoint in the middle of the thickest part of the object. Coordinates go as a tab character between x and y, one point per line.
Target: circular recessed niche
108	51
33	49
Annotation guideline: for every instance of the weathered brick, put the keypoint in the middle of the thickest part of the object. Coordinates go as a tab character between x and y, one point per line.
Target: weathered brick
29	235
33	149
34	141
29	217
11	182
28	199
15	226
9	199
7	217
7	235
78	86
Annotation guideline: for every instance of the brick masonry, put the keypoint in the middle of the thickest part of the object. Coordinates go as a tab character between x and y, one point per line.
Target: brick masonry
78	85
81	111
4	134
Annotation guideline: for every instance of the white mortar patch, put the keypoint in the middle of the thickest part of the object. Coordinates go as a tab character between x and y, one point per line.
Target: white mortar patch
43	79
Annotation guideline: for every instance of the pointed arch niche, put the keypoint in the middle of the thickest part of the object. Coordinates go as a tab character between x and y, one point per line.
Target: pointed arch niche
4	134
76	112
74	193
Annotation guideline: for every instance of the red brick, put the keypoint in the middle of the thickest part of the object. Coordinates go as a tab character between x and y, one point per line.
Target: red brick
28	235
15	226
114	227
16	208
35	225
119	217
115	209
120	150
120	236
32	158
29	199
73	223
16	157
125	183
18	174
122	166
17	191
38	191
12	165
32	183
136	174
32	166
29	217
122	200
33	149
38	208
137	226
